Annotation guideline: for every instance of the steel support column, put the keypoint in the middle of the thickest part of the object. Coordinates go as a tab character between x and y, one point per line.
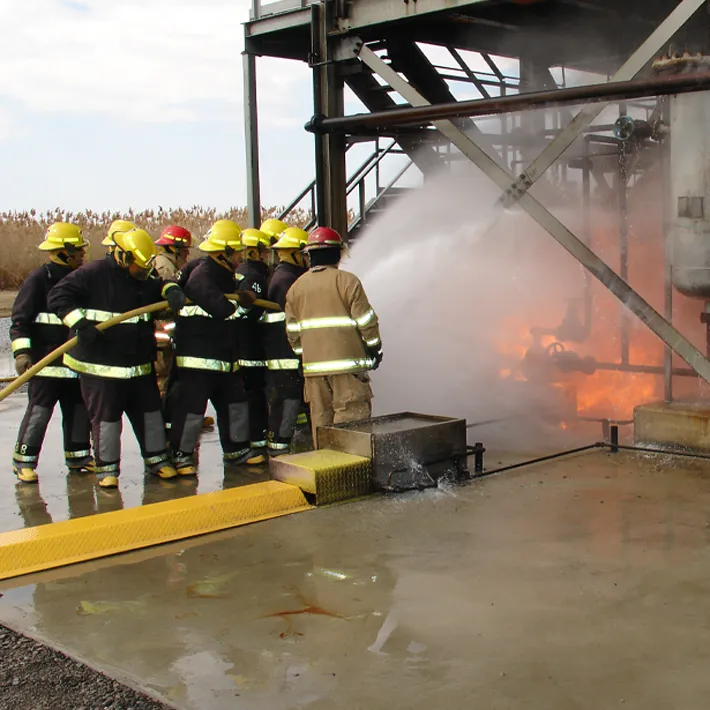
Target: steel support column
501	177
251	130
328	94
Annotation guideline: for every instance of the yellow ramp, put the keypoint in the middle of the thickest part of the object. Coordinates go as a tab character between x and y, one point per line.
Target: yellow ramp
64	543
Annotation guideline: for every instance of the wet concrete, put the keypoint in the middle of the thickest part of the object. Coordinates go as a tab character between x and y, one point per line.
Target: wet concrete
577	584
61	496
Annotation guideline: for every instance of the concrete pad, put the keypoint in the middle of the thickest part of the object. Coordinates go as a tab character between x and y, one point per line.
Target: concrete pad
580	584
679	424
61	496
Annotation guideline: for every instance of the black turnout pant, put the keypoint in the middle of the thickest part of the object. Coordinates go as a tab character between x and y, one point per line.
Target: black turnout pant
43	395
285	393
255	385
188	402
106	401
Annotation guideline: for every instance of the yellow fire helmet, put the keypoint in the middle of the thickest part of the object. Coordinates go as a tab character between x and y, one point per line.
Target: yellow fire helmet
137	243
273	228
119	225
292	238
63	235
255	238
222	235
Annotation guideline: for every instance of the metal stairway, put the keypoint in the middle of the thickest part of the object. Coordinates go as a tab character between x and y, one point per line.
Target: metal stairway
368	194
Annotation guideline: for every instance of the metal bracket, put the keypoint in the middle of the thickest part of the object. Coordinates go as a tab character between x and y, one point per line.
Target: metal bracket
631	68
580	251
347	49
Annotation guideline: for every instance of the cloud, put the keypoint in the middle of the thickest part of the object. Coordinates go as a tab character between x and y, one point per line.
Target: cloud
136	60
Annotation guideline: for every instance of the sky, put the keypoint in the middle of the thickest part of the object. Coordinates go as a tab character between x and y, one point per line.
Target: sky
108	104
117	104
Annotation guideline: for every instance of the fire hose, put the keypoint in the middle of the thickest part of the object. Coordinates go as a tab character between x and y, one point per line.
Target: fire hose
66	347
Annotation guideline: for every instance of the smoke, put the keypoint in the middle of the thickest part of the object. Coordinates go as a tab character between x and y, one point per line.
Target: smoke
448	295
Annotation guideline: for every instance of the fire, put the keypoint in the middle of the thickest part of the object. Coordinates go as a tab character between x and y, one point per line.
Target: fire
606	393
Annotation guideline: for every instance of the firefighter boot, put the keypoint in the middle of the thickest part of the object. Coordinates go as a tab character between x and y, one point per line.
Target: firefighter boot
87	465
165	472
256	456
108	481
25	474
244	456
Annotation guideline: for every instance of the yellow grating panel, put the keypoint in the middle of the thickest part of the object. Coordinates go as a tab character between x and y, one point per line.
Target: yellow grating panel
331	476
70	541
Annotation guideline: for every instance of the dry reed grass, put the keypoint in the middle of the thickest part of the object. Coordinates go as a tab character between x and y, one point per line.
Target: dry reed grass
21	232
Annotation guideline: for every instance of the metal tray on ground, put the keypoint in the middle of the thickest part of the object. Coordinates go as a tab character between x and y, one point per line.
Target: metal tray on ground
408	450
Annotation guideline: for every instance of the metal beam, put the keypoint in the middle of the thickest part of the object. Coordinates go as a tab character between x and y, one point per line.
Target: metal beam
251	131
364	13
598	268
606	92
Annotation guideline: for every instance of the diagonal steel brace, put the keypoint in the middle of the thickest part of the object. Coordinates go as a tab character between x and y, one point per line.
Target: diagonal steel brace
580	251
630	69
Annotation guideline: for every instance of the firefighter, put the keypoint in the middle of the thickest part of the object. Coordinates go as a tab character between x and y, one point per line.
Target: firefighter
284	378
173	252
116	366
35	332
207	352
331	324
273	228
118	225
252	275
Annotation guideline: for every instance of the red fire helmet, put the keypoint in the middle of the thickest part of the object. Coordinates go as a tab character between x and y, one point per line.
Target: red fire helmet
323	237
174	236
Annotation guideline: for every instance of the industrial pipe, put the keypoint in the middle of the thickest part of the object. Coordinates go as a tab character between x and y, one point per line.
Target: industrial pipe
593	93
66	347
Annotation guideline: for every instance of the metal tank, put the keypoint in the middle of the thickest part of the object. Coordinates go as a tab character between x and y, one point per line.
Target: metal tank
690	180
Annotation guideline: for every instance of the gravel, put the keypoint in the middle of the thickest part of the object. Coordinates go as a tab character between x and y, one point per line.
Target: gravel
36	677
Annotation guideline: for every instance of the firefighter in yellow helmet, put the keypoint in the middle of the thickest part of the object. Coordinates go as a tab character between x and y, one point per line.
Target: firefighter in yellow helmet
284	378
273	228
116	365
252	275
35	332
207	353
118	225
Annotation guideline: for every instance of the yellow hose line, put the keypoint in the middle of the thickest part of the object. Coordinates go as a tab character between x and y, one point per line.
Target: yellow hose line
66	347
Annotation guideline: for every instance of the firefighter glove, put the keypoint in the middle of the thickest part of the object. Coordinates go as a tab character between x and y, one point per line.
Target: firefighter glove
376	355
23	363
86	332
176	298
246	298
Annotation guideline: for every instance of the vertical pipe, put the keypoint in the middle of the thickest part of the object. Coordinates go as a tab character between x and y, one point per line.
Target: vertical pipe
667	256
362	200
478	451
622	179
251	131
614	438
377	166
587	233
318	110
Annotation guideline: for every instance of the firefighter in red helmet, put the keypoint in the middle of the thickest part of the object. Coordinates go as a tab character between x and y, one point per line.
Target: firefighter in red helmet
173	252
332	326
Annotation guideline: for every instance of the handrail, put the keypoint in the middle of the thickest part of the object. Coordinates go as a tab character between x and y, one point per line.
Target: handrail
380	195
352	183
377	155
356	180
